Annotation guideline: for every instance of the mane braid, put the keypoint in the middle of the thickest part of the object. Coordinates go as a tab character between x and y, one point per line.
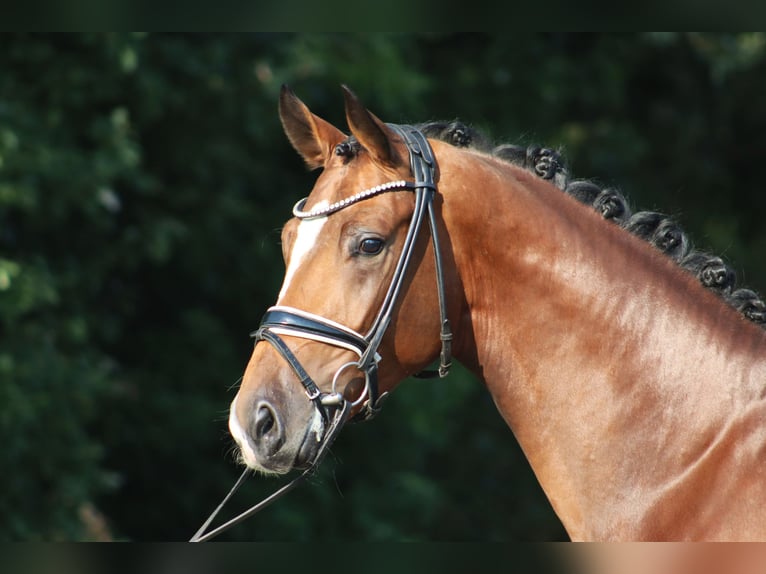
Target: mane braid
657	229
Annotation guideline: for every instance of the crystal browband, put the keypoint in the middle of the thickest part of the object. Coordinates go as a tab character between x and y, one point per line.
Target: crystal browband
338	205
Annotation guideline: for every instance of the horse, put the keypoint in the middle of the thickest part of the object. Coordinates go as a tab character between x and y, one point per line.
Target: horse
630	369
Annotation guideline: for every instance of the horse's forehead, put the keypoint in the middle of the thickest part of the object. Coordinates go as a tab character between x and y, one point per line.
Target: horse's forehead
344	176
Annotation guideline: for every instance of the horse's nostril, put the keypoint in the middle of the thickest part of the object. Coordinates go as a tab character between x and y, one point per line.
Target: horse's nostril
268	434
264	421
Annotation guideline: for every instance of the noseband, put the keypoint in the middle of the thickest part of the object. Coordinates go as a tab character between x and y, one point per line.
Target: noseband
282	320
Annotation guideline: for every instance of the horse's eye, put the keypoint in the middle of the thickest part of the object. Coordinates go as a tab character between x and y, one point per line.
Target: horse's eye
371	246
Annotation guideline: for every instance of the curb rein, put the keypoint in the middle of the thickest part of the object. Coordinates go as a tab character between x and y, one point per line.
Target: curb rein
282	320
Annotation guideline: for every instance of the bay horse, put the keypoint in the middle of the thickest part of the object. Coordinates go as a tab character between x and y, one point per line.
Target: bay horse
629	368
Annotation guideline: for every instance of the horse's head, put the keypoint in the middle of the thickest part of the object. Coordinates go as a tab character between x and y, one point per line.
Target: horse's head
359	308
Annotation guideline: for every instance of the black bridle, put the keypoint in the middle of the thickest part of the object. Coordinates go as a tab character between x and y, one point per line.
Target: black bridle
281	320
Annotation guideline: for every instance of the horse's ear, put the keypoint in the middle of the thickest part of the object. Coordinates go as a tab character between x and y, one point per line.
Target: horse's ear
311	136
374	135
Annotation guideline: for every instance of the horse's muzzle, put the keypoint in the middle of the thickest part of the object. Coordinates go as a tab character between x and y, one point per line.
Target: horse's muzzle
267	441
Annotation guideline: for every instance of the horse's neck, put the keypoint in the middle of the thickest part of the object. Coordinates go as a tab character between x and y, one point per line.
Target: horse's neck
613	367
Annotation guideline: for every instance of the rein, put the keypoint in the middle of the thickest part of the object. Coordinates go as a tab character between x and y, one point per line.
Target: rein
283	320
202	536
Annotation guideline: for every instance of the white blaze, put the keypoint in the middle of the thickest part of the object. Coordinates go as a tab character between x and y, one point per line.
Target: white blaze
308	231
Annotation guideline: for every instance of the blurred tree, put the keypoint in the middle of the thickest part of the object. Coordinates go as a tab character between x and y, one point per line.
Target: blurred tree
143	182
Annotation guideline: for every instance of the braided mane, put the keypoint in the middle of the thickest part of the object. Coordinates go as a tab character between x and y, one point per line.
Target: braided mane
656	228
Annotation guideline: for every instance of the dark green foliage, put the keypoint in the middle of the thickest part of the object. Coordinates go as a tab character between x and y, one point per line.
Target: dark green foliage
143	182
